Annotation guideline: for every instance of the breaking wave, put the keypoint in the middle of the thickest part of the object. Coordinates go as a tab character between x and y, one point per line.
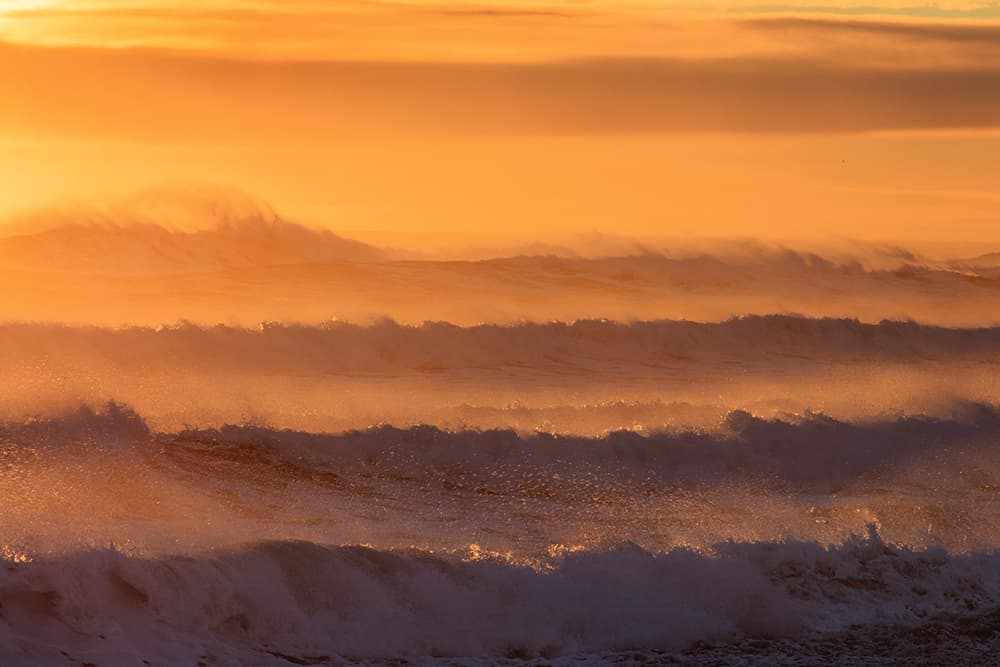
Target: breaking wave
222	259
586	345
490	545
303	603
810	450
820	477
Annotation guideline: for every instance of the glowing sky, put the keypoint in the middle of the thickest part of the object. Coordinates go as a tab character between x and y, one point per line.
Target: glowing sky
873	119
364	29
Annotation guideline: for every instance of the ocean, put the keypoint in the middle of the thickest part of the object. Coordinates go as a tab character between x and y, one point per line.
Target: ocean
668	488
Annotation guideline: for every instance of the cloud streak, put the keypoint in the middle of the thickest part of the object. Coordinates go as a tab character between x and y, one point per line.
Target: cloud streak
171	96
955	33
981	10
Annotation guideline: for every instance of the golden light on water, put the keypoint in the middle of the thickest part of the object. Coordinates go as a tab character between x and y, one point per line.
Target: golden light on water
650	324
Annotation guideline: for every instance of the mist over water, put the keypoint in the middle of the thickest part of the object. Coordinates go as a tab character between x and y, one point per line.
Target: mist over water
233	260
561	457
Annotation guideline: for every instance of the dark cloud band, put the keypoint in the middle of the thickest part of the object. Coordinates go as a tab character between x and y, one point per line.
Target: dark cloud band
183	96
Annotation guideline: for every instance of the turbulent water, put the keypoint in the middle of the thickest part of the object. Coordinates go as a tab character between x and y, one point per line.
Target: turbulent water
747	489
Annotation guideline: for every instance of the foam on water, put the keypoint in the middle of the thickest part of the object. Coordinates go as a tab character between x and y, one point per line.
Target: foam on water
672	528
319	604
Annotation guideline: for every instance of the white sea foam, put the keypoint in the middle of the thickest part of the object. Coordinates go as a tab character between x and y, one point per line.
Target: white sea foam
313	603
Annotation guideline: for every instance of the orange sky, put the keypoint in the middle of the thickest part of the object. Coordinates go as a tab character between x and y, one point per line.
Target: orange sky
865	119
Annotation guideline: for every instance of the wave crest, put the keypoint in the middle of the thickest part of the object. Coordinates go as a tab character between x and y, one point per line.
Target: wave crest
587	345
810	450
303	600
